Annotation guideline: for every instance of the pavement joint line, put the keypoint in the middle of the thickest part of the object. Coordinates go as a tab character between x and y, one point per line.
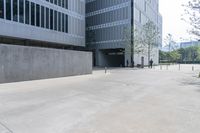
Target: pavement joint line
3	125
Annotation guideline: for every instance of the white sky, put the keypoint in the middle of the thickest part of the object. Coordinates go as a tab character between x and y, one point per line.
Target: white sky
171	11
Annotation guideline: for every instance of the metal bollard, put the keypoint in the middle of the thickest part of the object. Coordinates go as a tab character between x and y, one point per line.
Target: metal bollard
179	67
199	74
105	70
192	68
167	67
160	67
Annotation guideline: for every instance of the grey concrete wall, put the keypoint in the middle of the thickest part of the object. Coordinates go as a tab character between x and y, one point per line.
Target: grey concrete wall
20	63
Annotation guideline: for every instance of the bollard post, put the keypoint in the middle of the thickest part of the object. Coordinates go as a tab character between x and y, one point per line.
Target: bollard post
192	68
160	67
167	67
105	70
179	67
199	74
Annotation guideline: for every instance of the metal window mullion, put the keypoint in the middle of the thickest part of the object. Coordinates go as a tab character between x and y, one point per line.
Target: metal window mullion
44	16
64	23
24	1
53	20
17	10
49	18
57	21
35	15
61	21
12	10
29	4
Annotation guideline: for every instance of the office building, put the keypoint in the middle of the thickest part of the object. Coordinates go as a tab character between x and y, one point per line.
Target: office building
28	25
105	24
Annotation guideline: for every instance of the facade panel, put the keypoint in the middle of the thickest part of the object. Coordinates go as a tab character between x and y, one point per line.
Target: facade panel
46	18
106	21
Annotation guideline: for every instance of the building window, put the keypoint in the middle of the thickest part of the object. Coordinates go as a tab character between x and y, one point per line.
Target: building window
1	8
8	9
42	16
66	23
59	2
32	13
27	12
59	21
55	20
47	18
51	19
38	15
55	2
15	10
66	4
63	22
21	11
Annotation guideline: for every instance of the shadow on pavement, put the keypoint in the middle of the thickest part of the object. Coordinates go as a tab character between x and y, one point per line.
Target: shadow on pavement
195	82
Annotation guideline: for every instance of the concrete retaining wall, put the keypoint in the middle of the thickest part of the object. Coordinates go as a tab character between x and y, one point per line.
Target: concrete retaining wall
21	63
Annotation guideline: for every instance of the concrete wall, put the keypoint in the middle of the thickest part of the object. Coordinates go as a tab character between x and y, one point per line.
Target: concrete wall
20	63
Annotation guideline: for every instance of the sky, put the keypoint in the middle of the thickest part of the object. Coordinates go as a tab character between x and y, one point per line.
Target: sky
172	11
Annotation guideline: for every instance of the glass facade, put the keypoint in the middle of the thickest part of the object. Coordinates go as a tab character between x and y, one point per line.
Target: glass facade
8	9
61	3
15	10
1	9
30	13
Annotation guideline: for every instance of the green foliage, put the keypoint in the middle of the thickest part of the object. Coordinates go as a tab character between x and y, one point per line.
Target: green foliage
144	41
149	36
192	16
182	55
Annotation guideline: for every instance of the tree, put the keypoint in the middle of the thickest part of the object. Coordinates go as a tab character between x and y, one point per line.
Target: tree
170	43
192	11
174	56
149	37
183	55
138	47
135	46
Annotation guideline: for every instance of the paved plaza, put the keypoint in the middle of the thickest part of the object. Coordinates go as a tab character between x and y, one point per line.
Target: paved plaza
160	100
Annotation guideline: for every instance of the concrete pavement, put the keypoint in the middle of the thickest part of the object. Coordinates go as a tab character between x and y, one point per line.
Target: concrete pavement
122	101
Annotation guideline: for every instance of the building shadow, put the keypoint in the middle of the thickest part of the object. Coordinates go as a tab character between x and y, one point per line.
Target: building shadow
195	83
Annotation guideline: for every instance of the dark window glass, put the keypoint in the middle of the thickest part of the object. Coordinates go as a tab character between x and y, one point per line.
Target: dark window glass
47	18
59	21
55	2
55	20
1	9
51	19
21	11
63	22
51	1
59	2
37	15
27	12
8	9
66	23
66	4
32	13
42	16
15	10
